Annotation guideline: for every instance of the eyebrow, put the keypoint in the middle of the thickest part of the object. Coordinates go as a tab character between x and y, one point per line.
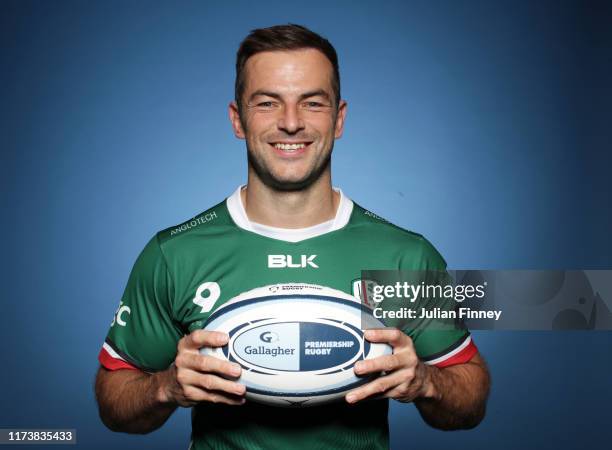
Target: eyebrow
305	95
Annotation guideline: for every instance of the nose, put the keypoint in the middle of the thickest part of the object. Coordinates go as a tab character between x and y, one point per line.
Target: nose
290	121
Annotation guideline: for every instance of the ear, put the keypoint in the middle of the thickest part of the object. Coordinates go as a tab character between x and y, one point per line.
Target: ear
234	116
340	116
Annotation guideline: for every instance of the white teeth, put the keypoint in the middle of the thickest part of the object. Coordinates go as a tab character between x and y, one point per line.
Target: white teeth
289	147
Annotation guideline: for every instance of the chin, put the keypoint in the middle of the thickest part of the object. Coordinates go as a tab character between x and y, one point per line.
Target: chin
281	184
287	178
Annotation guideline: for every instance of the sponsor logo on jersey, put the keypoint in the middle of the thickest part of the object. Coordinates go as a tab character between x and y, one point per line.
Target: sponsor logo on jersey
371	214
119	318
363	289
194	223
294	287
286	261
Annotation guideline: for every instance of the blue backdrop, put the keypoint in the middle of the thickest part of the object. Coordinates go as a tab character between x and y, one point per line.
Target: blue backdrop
483	125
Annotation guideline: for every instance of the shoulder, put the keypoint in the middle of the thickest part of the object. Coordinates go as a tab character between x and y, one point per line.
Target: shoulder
416	246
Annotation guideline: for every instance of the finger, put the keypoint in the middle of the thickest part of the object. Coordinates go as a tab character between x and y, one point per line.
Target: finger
208	364
204	338
214	383
385	363
199	395
377	387
405	392
189	379
392	336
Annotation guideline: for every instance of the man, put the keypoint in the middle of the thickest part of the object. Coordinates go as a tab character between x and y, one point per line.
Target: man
289	111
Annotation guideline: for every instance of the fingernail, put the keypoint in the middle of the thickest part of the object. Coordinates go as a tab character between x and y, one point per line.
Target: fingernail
236	370
350	398
358	367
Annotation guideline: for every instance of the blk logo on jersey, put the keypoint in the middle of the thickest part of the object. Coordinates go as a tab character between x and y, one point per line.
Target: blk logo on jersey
286	261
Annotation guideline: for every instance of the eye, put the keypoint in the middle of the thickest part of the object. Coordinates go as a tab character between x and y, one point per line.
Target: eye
314	105
265	104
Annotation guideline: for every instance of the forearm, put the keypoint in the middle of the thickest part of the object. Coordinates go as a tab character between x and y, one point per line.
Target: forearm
456	396
132	401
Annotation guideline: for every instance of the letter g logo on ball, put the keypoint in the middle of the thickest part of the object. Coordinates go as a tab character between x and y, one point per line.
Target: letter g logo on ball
268	336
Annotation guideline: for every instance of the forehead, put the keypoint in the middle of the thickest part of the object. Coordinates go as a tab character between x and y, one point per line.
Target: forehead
288	71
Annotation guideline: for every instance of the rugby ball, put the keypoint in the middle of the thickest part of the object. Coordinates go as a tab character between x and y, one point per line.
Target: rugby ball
296	343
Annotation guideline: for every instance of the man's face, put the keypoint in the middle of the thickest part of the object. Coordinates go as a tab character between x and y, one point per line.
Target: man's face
288	117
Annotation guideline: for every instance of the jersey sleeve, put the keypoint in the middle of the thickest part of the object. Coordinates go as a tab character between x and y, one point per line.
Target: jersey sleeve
143	334
439	342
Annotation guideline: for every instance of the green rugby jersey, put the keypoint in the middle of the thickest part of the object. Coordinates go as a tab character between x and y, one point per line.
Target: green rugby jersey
187	271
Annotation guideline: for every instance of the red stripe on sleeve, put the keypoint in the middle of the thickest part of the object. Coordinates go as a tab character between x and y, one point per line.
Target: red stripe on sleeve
113	363
459	358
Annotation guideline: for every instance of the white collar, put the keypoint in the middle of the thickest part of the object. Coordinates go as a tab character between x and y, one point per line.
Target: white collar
239	216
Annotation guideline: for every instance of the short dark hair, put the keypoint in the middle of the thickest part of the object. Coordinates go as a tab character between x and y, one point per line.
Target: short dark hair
283	37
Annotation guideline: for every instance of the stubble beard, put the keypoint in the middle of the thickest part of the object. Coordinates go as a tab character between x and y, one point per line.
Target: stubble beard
269	179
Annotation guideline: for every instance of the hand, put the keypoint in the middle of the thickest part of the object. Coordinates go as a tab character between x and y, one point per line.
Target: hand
195	378
405	377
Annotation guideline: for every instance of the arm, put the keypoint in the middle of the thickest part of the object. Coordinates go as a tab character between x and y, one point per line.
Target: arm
455	397
133	401
450	398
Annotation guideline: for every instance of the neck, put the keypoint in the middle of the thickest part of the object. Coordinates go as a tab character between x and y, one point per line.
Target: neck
290	209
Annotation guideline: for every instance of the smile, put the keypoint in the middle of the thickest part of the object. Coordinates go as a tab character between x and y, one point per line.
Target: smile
290	147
